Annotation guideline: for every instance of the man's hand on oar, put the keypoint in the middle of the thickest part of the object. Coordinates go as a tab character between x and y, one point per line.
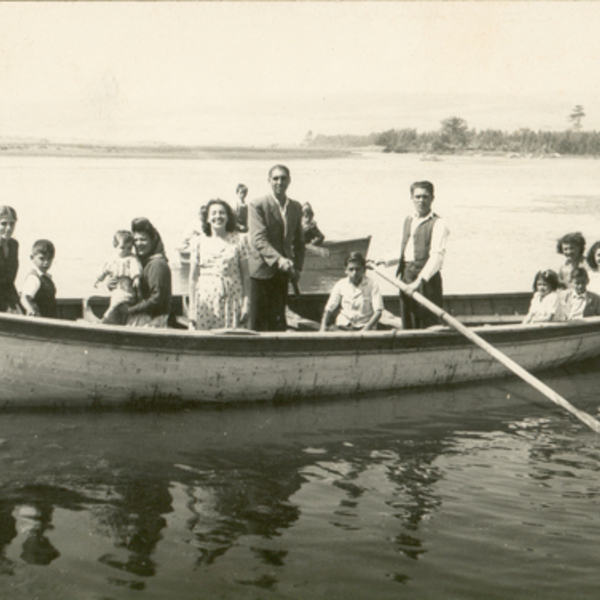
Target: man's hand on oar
494	352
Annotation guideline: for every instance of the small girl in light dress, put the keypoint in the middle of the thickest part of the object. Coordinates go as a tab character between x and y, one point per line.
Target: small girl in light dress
122	272
546	304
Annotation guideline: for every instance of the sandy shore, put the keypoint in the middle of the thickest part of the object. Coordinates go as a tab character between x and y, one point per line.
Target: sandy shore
43	148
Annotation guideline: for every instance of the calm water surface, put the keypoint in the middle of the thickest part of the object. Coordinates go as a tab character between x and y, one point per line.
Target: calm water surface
470	492
474	492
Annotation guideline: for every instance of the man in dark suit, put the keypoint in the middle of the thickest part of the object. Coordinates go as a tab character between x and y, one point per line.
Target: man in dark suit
276	252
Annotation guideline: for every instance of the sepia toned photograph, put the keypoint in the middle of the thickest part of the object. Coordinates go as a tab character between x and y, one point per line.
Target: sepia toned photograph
299	300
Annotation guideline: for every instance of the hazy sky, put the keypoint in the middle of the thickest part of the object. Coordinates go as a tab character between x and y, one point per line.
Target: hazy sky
256	73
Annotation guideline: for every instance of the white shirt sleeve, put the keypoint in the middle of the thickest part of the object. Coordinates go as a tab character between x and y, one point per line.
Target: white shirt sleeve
376	297
439	236
335	297
31	285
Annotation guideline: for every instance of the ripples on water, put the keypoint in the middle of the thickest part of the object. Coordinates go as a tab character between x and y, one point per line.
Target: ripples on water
473	492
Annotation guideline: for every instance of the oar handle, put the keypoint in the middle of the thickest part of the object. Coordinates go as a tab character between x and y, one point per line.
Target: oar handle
492	351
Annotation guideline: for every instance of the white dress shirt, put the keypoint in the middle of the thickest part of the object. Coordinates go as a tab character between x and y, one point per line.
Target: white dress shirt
439	236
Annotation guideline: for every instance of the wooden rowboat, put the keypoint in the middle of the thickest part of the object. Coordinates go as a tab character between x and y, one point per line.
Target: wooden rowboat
67	362
323	265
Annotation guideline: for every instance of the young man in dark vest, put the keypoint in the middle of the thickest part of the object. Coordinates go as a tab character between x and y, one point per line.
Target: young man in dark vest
422	252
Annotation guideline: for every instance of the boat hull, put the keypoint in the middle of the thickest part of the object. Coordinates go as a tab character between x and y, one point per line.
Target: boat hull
55	363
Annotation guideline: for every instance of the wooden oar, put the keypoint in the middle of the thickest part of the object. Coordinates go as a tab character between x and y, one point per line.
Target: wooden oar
494	352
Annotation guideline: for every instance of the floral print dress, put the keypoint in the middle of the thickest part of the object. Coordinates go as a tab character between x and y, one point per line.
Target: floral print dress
219	290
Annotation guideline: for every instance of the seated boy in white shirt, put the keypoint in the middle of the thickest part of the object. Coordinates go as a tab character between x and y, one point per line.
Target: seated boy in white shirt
356	296
578	302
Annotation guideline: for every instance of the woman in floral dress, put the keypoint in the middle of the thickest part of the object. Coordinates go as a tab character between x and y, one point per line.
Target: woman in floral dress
219	280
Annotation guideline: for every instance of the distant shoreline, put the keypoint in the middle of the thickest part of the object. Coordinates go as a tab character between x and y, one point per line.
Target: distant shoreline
98	150
43	148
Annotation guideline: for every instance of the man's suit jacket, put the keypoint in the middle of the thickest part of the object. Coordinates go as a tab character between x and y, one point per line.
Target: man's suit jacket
270	238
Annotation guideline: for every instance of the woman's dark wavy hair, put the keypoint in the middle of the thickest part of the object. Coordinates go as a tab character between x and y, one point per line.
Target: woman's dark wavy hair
231	222
591	257
576	239
143	225
548	276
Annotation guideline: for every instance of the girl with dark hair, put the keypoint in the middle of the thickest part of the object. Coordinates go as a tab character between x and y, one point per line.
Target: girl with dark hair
219	282
593	260
572	246
9	261
545	304
154	308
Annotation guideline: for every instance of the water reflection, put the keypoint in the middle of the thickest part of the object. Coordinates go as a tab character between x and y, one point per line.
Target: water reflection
259	497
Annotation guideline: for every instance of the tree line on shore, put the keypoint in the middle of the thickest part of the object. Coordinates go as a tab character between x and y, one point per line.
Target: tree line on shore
455	136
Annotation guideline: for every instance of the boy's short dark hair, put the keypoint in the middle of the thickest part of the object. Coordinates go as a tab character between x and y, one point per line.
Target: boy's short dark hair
43	247
579	272
424	185
356	257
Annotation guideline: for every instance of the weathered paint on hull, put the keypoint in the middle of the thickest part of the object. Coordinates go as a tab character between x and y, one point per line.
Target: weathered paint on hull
45	362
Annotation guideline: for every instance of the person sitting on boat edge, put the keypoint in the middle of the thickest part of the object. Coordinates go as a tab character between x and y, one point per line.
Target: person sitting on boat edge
219	283
546	304
593	261
572	246
356	298
38	292
311	232
422	252
578	301
241	208
154	308
9	262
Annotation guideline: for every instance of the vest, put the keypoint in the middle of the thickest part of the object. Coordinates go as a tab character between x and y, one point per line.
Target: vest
45	297
421	240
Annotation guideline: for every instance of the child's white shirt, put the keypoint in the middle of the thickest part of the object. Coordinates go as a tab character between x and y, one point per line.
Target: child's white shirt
548	308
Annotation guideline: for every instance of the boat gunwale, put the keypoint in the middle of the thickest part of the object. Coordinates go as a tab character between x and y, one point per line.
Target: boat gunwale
279	343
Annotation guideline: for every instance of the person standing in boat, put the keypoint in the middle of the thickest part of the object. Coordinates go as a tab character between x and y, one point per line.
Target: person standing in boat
38	293
572	247
276	252
219	282
241	208
422	251
9	261
154	308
